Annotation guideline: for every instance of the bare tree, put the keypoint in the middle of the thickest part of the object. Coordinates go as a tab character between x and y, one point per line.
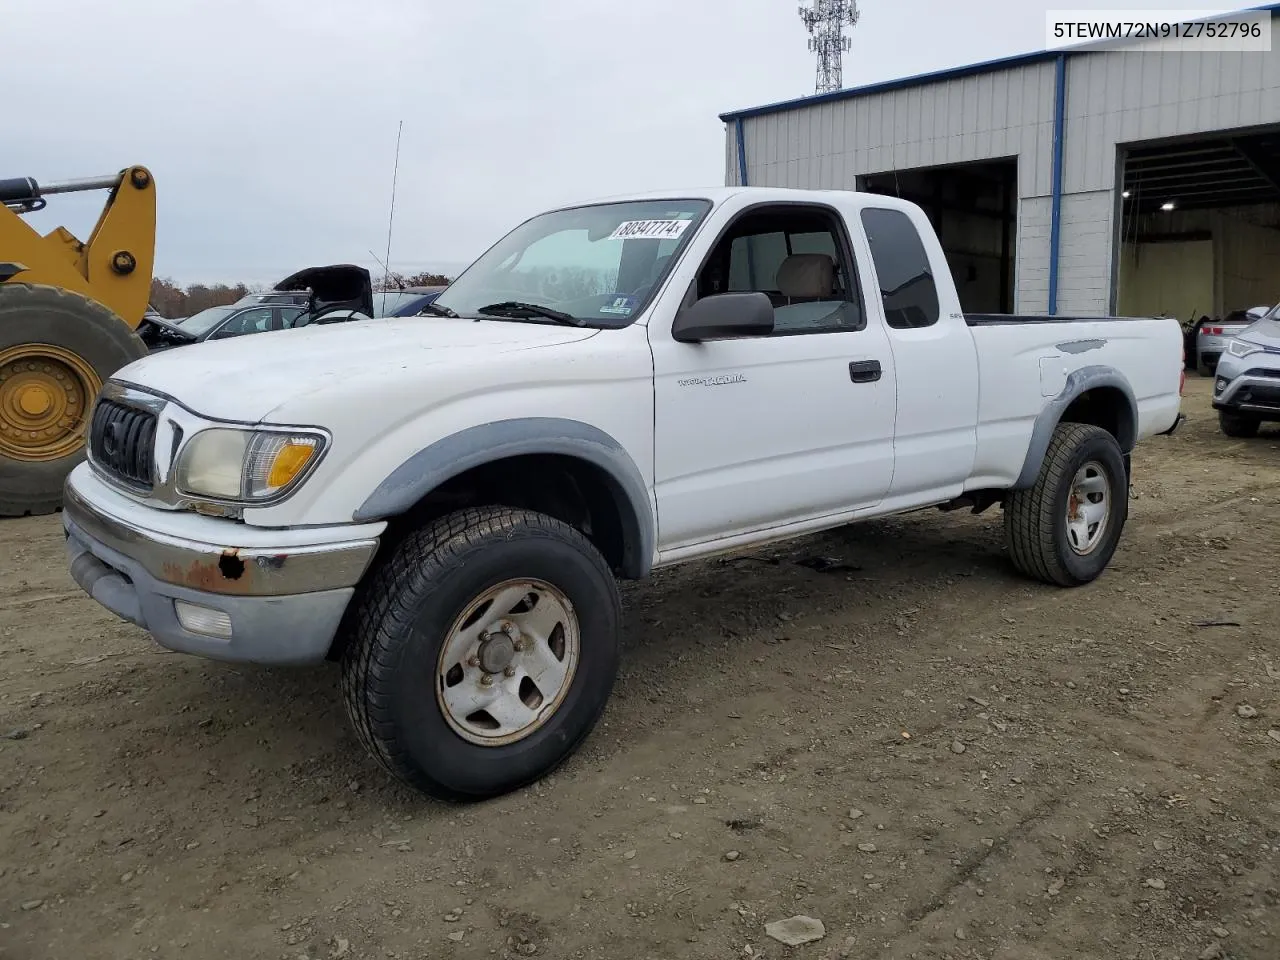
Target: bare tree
171	300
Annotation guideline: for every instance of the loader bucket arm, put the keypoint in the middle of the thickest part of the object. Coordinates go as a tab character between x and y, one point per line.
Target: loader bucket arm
114	267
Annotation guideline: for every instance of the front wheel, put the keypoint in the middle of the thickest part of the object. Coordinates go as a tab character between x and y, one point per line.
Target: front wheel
1238	424
483	652
1066	527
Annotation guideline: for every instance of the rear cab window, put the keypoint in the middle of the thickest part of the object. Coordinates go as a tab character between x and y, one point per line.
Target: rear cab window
903	270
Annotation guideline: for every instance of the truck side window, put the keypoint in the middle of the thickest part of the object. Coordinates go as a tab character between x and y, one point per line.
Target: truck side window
796	256
902	266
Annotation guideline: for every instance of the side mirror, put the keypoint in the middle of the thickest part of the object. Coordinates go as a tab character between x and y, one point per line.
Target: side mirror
724	316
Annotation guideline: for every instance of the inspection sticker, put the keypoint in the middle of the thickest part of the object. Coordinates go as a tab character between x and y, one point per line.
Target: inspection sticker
622	306
650	230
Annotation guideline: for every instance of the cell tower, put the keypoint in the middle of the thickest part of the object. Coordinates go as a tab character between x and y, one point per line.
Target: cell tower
826	21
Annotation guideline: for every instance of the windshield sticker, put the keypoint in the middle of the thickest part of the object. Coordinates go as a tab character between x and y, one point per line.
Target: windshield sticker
622	306
650	230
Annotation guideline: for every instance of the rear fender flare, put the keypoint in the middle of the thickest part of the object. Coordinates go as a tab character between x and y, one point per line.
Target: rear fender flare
1078	382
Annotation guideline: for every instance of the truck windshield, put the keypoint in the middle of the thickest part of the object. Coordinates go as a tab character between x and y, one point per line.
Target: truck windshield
599	264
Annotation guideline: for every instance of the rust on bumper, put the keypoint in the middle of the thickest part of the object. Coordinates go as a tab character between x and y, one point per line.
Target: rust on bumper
227	570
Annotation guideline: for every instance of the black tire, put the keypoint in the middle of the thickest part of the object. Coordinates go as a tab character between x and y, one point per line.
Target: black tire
405	610
37	314
1238	424
1035	520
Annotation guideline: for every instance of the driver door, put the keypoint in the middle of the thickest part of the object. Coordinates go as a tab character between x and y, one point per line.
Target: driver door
761	432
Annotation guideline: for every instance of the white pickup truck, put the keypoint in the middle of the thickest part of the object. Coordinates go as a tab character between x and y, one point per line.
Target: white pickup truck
443	503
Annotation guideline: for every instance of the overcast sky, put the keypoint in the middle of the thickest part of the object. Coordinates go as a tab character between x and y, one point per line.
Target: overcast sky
270	125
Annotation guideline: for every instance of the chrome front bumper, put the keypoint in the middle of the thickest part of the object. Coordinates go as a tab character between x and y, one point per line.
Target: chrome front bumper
283	604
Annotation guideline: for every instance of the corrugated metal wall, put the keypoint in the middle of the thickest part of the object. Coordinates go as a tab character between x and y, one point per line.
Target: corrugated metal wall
1121	98
1002	114
1111	98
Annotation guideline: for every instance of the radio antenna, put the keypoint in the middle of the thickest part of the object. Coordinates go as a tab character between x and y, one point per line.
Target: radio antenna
395	173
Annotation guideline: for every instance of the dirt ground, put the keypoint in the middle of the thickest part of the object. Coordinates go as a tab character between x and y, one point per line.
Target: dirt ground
882	728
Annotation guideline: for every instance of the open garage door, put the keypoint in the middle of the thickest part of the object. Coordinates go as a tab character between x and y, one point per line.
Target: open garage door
1200	234
972	208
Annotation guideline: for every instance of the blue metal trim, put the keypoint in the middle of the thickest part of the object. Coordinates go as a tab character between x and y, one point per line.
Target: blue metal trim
950	73
742	154
1059	134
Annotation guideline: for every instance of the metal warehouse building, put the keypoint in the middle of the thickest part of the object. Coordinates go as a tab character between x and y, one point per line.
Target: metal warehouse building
1050	176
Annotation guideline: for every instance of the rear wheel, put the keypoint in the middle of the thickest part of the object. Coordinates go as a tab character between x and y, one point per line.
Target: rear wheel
482	653
1065	529
1238	424
56	349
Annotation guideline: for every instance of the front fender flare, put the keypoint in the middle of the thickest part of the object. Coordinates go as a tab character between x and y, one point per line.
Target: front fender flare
456	454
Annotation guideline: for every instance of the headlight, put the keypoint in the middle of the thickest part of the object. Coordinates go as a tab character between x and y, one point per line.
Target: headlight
1242	348
246	465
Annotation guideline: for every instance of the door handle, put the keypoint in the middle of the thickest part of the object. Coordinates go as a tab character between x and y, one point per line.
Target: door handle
864	371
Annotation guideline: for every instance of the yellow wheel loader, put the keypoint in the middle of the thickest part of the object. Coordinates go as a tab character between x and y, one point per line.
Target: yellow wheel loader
68	312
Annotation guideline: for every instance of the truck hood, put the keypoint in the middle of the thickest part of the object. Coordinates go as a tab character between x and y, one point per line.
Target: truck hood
245	378
1265	333
339	286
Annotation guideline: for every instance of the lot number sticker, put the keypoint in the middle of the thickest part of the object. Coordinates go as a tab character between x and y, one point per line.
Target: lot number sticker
622	306
650	230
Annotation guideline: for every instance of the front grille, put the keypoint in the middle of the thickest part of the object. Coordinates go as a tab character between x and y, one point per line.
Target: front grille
1259	396
122	441
1260	372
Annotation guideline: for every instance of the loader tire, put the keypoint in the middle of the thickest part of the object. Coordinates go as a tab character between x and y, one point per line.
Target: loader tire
1066	527
56	350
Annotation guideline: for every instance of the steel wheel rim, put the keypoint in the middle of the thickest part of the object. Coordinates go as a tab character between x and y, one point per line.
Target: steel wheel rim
45	395
508	662
1088	508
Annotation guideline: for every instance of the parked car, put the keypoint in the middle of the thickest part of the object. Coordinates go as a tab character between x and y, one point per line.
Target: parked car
216	323
1246	386
1212	337
316	295
404	303
444	507
292	298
